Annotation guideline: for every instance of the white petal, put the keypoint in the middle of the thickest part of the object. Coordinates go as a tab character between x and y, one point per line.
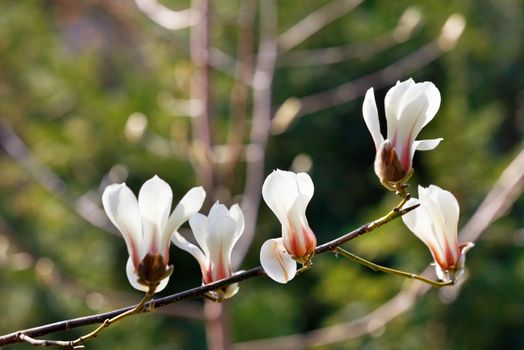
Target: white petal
433	96
442	216
154	201
450	210
121	207
198	226
392	103
220	242
188	205
276	262
419	222
218	210
305	186
419	106
426	145
222	231
280	190
411	117
133	279
429	201
370	113
236	213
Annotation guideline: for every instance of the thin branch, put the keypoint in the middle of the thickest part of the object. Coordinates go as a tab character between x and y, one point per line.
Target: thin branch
314	22
381	78
19	152
504	193
167	18
446	41
260	125
14	337
380	268
406	25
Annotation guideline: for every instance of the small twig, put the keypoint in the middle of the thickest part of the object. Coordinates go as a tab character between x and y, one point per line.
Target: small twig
45	343
77	343
167	18
14	337
376	267
504	193
314	22
382	77
407	24
15	147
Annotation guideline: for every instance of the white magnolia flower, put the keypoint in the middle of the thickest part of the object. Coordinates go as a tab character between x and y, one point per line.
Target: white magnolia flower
287	194
435	223
147	227
409	107
216	235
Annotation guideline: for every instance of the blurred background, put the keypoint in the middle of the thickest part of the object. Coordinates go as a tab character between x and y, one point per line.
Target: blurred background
218	94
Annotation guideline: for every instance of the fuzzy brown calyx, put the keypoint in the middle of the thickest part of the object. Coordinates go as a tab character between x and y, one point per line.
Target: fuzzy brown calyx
387	165
152	270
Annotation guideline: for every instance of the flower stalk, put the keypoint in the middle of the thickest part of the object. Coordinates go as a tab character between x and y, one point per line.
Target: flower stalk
375	267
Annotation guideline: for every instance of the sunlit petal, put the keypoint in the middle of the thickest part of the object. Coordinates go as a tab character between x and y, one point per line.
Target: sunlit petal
276	261
370	113
154	202
426	145
280	190
121	207
188	205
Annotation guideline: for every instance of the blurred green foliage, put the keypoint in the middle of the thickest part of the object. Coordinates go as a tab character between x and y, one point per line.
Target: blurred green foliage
73	72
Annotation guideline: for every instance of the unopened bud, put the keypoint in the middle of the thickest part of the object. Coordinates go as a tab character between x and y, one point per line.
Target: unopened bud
387	165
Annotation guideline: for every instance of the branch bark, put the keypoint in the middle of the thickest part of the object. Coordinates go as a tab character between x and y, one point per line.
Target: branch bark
14	337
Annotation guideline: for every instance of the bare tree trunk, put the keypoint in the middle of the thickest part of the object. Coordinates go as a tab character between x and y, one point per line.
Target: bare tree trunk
218	331
261	123
201	92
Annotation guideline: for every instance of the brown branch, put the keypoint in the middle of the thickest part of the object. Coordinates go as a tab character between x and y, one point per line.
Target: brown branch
14	337
504	193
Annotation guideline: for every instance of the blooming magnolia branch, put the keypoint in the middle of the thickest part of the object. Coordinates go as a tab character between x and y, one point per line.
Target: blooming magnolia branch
148	227
28	335
506	190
